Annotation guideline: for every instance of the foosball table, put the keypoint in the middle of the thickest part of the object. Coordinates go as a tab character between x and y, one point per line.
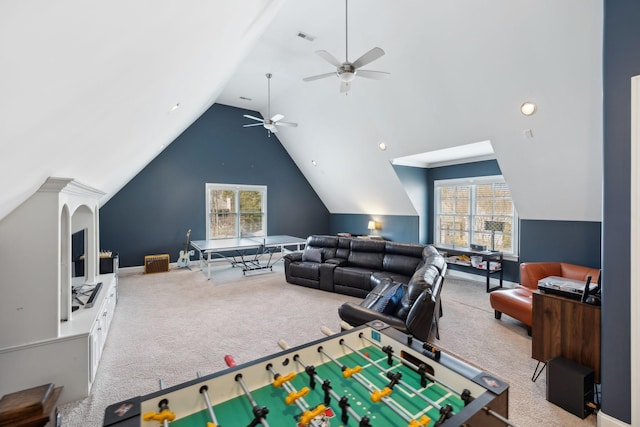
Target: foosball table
370	376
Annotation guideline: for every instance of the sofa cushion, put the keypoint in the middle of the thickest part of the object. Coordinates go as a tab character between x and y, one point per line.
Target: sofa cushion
354	277
327	244
366	254
401	258
312	254
516	302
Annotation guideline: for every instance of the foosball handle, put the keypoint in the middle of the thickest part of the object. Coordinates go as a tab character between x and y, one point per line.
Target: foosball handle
230	361
328	332
345	326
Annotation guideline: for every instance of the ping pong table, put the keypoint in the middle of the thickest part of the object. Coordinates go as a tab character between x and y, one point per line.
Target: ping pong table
245	251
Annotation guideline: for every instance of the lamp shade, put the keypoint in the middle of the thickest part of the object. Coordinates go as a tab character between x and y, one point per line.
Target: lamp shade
371	225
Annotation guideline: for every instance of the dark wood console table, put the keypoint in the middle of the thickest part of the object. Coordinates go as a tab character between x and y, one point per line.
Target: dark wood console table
487	256
565	327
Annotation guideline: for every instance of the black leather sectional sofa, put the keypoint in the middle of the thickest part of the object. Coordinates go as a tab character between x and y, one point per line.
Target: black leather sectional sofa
400	282
346	264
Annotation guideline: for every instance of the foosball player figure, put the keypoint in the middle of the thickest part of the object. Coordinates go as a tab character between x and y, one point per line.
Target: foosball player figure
395	379
389	352
422	371
446	412
311	371
326	387
163	415
259	414
466	397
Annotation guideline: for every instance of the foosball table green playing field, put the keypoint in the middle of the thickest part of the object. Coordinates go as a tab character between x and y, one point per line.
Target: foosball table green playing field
372	376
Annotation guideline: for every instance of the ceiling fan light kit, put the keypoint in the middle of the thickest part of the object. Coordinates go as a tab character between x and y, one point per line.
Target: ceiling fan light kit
269	123
347	71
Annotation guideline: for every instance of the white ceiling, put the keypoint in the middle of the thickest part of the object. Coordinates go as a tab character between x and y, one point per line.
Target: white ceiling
87	88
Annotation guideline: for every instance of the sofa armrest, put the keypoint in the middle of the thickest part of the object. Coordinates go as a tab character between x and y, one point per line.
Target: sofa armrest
355	315
293	257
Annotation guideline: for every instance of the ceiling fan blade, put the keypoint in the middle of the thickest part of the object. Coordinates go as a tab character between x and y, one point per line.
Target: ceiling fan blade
329	58
319	76
271	128
253	118
370	74
368	57
292	125
253	124
344	87
277	117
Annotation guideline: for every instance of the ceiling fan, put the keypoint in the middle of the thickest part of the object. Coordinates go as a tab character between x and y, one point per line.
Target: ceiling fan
269	123
347	71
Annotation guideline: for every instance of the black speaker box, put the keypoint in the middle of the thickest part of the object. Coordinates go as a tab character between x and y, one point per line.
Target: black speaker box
570	386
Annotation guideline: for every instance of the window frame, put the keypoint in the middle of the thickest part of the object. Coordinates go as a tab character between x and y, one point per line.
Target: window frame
473	182
236	188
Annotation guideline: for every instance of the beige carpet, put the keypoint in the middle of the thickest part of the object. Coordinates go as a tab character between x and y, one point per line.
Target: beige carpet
171	326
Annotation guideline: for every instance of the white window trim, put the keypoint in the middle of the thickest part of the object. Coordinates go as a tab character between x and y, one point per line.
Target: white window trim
233	187
476	180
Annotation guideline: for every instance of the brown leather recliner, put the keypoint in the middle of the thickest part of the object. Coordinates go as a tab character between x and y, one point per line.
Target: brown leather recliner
518	302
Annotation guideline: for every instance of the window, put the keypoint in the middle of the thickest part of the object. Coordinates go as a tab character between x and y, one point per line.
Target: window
475	211
236	210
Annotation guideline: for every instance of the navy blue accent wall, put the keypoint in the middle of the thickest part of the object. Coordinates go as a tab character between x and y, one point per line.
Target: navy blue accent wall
153	212
621	62
575	242
399	228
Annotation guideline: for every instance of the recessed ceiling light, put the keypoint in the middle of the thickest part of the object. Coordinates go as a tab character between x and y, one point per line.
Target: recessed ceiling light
528	108
174	107
314	163
382	146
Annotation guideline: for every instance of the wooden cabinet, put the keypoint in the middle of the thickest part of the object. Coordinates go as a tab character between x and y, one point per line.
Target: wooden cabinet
568	328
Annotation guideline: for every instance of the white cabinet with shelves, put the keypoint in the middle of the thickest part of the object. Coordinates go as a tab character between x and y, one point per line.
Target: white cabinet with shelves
42	339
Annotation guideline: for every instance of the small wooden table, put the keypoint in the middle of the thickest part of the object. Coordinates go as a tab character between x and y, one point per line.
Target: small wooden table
565	327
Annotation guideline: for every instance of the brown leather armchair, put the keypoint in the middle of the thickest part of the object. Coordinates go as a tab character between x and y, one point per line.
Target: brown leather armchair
518	302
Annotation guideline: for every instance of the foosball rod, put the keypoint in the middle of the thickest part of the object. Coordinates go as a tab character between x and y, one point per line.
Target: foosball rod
256	409
447	410
283	345
391	404
300	402
405	361
204	391
498	416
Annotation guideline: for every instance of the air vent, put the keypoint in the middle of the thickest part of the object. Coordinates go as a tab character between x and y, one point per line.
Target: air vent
306	36
244	98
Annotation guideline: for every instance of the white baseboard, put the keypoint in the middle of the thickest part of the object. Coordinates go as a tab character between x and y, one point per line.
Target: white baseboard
605	420
476	277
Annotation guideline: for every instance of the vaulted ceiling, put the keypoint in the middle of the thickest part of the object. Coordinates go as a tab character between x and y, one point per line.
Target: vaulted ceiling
87	91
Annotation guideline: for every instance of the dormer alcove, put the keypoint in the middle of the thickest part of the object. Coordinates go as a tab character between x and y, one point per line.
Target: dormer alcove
47	340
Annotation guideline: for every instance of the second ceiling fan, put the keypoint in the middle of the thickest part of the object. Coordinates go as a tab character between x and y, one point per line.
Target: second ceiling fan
269	123
347	71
